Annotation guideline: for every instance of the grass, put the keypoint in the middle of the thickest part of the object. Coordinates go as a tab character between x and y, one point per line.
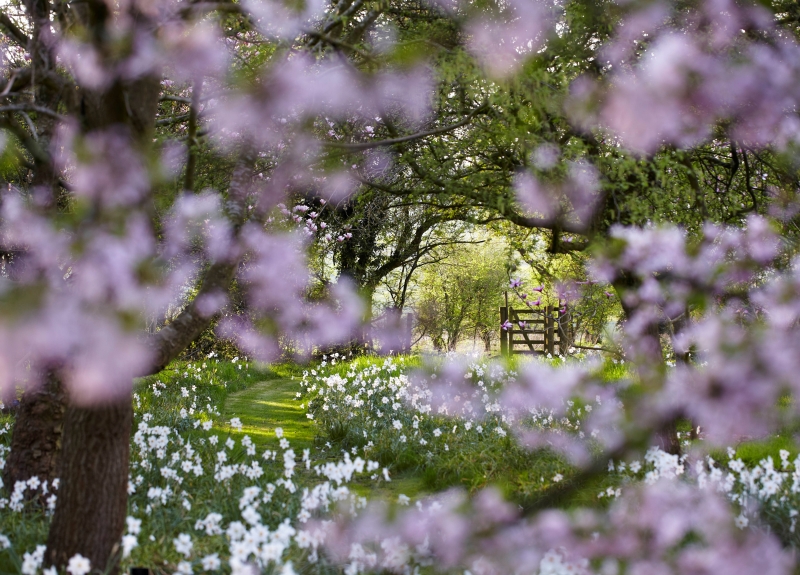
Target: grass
269	404
751	452
260	395
522	475
408	483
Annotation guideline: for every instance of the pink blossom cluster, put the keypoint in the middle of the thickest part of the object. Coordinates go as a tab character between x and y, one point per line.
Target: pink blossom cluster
673	75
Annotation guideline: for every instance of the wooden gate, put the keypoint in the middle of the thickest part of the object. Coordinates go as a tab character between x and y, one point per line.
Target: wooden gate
535	331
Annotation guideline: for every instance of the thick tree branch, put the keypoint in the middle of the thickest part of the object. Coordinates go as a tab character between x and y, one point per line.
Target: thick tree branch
39	154
191	159
508	214
14	31
171	98
543	223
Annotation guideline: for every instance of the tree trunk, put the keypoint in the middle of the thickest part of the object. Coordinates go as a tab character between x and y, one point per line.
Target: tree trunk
95	453
93	495
35	443
667	438
367	293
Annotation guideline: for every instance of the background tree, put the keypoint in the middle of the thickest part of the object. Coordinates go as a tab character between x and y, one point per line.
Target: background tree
461	294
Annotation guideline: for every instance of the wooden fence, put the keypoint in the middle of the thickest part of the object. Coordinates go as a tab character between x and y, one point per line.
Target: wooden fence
546	330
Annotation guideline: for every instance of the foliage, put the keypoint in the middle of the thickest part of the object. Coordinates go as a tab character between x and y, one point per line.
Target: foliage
461	294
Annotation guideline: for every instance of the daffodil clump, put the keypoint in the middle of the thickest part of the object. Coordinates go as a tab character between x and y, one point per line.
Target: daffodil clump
451	427
766	493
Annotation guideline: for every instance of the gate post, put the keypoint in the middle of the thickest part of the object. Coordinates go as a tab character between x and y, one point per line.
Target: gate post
503	332
564	331
549	330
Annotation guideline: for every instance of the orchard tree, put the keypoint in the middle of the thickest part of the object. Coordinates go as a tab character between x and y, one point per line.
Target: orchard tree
112	115
522	144
384	233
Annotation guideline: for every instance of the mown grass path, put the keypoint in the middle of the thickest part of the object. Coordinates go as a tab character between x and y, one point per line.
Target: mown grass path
269	404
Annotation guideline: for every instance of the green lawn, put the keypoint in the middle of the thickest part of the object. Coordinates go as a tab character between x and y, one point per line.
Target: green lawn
269	404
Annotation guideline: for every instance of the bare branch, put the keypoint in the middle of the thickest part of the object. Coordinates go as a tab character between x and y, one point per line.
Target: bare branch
409	138
339	44
19	79
173	120
31	108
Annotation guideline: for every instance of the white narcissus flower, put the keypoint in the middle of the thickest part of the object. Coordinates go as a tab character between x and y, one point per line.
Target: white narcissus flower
31	562
78	565
29	565
183	544
128	543
241	568
134	525
211	562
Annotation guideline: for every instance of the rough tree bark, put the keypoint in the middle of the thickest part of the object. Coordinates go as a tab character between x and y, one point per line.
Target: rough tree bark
36	442
93	460
93	496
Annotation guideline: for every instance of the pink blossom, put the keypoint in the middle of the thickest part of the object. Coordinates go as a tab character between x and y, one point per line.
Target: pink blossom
501	44
532	195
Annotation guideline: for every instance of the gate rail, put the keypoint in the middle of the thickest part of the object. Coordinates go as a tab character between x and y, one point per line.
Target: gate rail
542	331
